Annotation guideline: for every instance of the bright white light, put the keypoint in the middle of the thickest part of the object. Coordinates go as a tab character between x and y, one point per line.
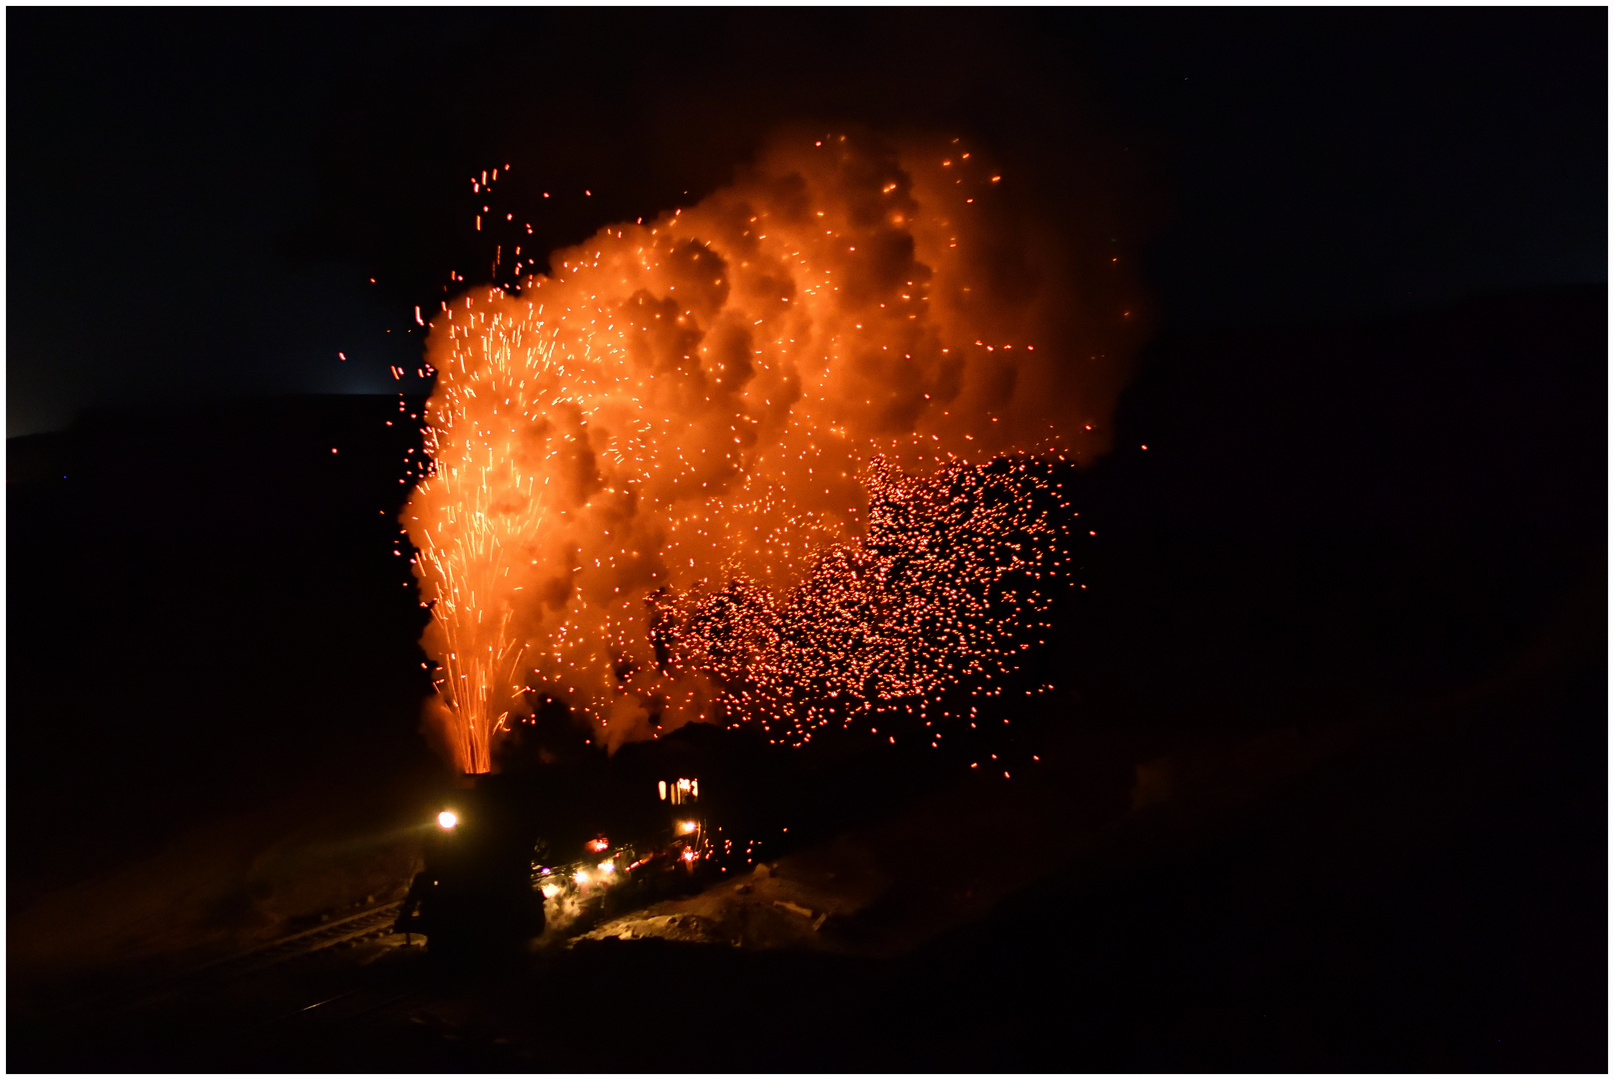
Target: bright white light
550	891
581	877
448	819
607	867
686	827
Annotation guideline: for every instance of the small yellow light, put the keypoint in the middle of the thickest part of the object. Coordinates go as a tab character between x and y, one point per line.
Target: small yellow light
448	819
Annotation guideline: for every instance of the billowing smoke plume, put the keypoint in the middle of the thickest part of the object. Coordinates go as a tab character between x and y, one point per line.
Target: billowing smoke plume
700	406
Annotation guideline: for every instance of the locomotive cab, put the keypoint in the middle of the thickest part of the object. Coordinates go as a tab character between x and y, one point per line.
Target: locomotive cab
686	816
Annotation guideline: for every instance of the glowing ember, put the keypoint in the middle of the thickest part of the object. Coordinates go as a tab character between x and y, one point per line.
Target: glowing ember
936	602
748	461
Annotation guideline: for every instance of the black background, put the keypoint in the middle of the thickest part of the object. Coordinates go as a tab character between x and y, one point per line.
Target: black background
1374	401
198	199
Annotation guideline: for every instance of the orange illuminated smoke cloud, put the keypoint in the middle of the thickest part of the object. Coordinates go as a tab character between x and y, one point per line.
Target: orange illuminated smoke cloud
699	407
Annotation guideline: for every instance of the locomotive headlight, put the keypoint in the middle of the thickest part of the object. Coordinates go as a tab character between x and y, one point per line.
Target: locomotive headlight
448	819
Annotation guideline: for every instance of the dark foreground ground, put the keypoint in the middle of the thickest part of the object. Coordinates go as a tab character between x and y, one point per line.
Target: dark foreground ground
1407	893
1325	787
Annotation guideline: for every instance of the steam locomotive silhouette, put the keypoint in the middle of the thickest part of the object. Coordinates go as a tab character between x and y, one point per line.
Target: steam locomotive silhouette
491	873
594	834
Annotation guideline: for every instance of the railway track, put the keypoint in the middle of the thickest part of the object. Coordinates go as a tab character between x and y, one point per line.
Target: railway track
224	1004
68	1013
371	922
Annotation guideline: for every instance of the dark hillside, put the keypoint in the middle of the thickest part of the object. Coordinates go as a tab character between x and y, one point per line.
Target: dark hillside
204	613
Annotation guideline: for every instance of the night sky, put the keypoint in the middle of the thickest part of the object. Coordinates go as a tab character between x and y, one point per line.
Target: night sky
199	199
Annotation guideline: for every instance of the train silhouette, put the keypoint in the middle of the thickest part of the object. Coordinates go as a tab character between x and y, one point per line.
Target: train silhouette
512	854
